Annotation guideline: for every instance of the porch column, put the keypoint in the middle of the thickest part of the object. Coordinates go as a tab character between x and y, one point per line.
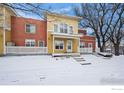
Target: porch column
79	44
53	43
4	34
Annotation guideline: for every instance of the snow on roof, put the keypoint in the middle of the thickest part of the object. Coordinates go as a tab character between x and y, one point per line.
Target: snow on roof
62	15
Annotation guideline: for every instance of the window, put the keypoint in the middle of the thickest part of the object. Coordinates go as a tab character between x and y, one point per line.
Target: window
41	43
61	28
29	42
30	28
59	44
90	45
55	28
65	28
82	44
70	30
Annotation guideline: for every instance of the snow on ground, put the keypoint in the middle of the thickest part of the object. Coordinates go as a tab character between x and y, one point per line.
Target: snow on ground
47	70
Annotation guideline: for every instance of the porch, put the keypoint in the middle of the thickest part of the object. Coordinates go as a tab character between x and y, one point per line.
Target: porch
63	43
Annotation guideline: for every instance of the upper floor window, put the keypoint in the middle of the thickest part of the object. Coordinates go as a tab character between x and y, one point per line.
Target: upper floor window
70	29
65	26
61	28
55	27
30	28
30	42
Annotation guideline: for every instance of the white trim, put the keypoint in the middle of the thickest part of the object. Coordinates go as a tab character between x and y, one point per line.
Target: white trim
50	30
32	25
62	15
65	34
58	30
33	40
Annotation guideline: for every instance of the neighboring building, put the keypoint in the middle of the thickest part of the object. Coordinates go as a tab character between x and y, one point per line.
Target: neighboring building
28	32
87	41
5	26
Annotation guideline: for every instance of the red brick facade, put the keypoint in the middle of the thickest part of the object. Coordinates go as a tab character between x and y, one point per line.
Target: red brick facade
87	39
19	34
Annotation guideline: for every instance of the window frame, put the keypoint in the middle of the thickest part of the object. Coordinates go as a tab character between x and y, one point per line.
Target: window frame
83	44
57	28
30	31
65	28
60	42
42	42
90	44
27	40
69	31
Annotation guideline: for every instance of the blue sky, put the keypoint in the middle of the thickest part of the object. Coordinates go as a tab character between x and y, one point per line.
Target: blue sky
61	8
64	8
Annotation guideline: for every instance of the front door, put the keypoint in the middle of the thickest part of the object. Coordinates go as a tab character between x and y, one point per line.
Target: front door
69	45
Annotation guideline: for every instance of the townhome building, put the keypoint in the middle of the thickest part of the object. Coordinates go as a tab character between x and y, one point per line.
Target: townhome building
56	34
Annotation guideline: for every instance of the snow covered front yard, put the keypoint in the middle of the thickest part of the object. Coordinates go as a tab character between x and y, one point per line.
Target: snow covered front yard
47	70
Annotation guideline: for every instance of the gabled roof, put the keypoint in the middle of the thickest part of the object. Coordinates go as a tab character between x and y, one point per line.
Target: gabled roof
62	15
9	8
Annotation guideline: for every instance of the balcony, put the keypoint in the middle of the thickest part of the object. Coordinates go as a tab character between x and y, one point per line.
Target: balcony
66	35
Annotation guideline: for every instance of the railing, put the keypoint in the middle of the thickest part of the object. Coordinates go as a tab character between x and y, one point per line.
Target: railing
86	50
25	50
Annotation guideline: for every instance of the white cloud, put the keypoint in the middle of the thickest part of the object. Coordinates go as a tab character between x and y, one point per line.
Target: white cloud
62	10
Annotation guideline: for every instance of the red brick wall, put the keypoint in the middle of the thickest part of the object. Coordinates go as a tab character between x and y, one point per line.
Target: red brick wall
89	39
19	35
84	32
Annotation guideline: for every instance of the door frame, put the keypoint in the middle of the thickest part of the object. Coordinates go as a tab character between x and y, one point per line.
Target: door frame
68	50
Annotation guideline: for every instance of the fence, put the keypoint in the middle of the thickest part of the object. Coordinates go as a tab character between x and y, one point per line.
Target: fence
25	50
86	50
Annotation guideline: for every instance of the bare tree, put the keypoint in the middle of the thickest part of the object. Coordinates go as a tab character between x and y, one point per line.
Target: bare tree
97	17
116	30
35	8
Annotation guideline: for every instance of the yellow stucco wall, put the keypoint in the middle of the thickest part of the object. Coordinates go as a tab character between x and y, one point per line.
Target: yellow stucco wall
8	14
51	20
1	42
8	36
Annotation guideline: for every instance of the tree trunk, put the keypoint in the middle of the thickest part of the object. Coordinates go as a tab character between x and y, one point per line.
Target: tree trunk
99	43
103	48
116	48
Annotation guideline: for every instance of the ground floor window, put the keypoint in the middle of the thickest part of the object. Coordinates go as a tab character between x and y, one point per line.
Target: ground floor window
30	42
90	45
82	44
59	44
41	43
